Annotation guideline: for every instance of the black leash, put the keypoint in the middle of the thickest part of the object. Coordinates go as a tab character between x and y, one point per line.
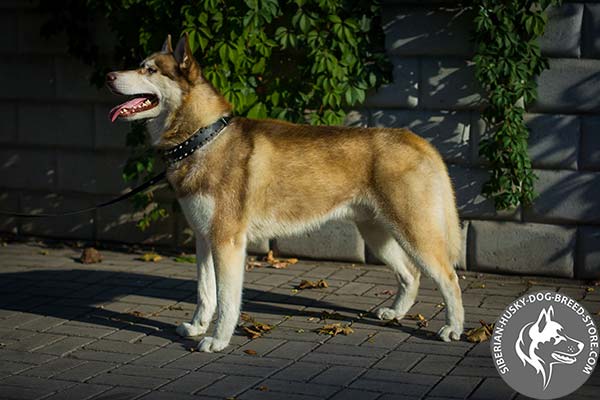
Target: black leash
151	182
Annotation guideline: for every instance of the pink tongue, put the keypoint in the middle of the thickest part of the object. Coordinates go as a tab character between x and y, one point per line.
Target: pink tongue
114	113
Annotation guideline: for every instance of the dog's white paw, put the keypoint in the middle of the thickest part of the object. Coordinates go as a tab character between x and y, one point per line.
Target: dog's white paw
448	333
187	330
211	345
386	313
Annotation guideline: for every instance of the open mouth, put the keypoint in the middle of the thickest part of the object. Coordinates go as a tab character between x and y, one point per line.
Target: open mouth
563	358
140	103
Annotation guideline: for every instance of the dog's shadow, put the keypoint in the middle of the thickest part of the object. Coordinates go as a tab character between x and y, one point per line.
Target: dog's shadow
75	295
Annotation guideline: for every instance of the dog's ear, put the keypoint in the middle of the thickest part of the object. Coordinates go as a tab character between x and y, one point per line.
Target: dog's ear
544	318
167	46
185	59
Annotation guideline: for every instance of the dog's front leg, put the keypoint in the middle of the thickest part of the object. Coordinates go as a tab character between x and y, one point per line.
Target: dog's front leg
207	293
229	256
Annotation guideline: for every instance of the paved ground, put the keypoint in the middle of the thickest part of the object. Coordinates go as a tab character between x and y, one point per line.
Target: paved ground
106	331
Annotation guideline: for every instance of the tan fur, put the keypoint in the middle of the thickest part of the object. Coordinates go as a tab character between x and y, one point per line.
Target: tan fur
268	177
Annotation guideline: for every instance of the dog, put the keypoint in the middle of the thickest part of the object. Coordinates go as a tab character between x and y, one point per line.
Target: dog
266	178
543	344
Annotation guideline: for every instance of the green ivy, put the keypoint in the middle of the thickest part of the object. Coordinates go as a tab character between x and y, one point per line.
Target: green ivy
507	61
298	60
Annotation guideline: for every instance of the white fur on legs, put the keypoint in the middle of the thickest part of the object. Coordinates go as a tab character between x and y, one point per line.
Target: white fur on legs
386	248
451	292
229	272
207	296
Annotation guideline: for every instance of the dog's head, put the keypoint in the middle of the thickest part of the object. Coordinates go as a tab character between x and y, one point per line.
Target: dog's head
544	343
161	86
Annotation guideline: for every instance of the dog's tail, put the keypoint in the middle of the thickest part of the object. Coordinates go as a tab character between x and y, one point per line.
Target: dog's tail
453	231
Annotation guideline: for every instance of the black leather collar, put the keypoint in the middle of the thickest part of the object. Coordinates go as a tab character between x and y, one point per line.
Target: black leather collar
200	138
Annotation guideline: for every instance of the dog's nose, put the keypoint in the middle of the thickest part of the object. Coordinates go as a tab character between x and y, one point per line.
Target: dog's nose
111	77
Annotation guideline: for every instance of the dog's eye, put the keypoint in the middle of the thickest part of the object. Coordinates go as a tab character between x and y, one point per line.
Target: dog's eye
150	70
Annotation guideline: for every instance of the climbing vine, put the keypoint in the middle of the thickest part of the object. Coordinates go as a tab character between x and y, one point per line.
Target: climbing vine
507	61
298	60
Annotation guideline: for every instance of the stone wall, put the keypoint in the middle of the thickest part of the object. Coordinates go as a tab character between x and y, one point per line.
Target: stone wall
58	150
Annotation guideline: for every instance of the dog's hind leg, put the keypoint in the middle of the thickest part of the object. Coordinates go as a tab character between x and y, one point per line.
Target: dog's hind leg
207	293
386	248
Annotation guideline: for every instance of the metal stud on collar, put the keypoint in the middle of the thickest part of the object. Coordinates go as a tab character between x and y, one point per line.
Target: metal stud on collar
200	138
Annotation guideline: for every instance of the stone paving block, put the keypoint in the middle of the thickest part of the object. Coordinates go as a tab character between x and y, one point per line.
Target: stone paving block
589	152
8	32
319	390
448	131
81	391
569	85
435	364
75	227
590	33
588	253
266	395
565	197
105	356
114	379
455	387
24	357
403	91
493	388
337	359
122	393
84	371
562	36
118	223
553	140
27	168
449	84
338	375
522	248
389	387
193	360
161	357
159	395
9	200
357	394
423	31
468	182
31	381
53	367
31	41
27	77
335	240
230	386
73	81
300	371
22	393
56	124
34	342
65	346
8	114
292	350
108	135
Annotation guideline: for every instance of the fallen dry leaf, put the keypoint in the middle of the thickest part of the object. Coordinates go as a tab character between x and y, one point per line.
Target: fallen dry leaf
254	329
589	289
415	317
279	263
138	314
263	388
44	252
175	308
312	285
90	255
151	257
481	334
250	352
388	292
184	258
335	329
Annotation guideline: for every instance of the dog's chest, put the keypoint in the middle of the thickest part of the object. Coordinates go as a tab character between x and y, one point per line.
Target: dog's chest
198	210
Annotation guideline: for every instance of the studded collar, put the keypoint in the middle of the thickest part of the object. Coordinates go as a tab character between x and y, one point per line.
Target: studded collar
199	139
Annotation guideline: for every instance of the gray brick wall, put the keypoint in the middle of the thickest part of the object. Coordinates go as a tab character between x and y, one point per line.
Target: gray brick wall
58	149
